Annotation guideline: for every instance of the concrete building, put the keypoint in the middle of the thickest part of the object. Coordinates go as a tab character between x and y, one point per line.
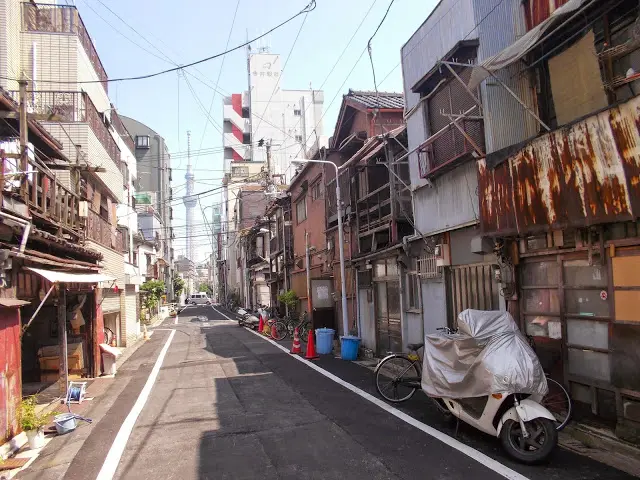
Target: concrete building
50	42
155	213
289	121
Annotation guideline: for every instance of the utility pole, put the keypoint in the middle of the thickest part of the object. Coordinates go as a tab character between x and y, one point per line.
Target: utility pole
308	261
268	147
24	138
284	258
62	340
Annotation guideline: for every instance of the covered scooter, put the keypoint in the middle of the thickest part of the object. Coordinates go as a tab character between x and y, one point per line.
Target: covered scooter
487	375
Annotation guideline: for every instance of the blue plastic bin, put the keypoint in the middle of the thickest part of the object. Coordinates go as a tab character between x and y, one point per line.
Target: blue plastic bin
350	345
324	340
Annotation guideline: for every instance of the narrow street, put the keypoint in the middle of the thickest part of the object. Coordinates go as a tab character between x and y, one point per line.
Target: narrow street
227	404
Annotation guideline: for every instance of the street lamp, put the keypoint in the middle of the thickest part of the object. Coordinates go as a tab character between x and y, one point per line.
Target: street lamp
343	283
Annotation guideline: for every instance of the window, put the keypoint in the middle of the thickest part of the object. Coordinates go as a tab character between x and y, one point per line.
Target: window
299	138
301	209
413	291
297	112
142	141
135	258
316	191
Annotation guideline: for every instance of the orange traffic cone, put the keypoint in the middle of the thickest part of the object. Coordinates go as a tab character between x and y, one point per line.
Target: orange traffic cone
296	348
311	347
261	325
274	334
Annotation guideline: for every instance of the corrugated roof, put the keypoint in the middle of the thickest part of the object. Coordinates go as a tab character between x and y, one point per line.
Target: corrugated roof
382	100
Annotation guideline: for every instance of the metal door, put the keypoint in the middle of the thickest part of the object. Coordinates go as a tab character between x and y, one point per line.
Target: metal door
388	324
472	286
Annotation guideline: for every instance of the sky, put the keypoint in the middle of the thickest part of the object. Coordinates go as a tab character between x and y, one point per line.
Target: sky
136	37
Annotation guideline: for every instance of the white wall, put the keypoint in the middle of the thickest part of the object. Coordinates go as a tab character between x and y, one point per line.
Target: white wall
10	26
272	114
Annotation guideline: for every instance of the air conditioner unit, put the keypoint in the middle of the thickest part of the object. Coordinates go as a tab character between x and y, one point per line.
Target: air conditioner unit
442	253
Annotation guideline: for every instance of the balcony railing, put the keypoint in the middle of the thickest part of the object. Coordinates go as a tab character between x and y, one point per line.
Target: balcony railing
46	197
63	19
100	230
71	106
448	147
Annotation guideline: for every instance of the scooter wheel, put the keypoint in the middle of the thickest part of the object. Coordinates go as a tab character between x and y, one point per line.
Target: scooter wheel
543	438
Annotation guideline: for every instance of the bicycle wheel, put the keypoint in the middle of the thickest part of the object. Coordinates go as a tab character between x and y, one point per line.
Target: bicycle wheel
558	402
395	378
281	331
303	331
108	336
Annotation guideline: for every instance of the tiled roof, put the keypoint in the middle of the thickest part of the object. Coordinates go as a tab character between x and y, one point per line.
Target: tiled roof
383	100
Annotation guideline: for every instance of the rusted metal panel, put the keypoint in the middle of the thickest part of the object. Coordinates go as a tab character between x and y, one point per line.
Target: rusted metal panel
583	174
538	11
10	378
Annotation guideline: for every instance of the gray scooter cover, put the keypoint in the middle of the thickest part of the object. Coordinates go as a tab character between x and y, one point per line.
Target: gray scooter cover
487	355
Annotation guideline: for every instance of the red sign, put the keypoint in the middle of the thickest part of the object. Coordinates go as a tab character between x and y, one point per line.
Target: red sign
604	295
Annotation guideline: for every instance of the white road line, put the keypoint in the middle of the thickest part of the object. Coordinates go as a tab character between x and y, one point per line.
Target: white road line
480	457
110	464
218	311
176	320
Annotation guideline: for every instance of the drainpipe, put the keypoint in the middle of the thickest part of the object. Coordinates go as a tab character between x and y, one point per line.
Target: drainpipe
24	223
34	70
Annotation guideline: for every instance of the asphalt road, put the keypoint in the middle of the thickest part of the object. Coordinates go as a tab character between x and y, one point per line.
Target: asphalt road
226	404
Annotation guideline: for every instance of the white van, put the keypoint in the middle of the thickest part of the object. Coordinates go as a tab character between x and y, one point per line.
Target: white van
199	298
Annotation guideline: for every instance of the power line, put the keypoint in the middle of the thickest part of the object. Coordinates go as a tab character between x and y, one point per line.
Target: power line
275	87
309	8
346	47
233	22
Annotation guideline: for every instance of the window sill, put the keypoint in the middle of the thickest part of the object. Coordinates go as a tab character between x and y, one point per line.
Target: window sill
413	310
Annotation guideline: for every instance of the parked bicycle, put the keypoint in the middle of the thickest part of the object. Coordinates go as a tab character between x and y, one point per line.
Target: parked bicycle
108	335
286	326
398	377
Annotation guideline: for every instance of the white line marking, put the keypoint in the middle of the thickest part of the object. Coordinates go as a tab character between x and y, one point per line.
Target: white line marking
480	457
176	320
110	464
218	311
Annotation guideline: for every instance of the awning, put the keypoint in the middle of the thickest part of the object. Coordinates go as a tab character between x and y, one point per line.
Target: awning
12	302
523	45
57	276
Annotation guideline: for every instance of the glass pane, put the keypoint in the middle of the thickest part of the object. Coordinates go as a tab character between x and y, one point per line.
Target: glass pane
580	273
540	274
589	364
541	326
586	302
588	333
545	300
393	304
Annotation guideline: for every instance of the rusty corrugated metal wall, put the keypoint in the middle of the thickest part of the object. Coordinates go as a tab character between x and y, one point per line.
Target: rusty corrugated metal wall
539	10
583	174
10	377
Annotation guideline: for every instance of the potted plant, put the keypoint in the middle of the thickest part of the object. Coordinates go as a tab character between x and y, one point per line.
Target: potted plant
32	422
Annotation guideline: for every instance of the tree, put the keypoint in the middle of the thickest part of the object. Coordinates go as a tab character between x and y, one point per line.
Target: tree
153	291
205	288
178	284
290	299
